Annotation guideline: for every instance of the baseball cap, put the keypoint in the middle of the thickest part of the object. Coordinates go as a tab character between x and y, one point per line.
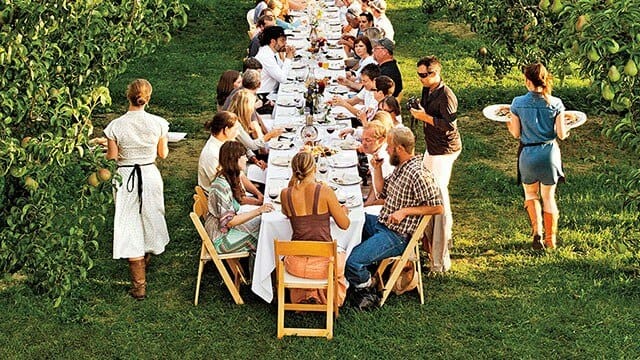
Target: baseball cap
386	43
379	5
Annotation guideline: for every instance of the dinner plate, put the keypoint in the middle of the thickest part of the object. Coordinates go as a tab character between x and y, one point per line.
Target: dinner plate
175	136
297	66
342	163
497	112
338	90
333	57
280	144
286	103
347	144
347	179
574	118
336	68
342	116
353	200
280	161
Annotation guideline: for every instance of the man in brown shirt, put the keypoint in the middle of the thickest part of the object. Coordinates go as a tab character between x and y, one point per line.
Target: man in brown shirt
438	111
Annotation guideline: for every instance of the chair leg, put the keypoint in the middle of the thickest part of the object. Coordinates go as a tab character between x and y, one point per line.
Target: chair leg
200	268
419	266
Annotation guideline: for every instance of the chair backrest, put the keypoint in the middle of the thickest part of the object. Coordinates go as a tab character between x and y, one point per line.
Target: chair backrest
250	17
199	202
305	248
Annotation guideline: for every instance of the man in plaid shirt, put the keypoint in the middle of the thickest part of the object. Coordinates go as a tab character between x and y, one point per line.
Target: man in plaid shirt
409	192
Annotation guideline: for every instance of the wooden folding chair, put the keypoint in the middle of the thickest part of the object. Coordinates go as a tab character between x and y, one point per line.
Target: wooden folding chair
209	253
411	253
286	280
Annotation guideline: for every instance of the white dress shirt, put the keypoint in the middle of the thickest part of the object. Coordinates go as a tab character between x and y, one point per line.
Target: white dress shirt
383	23
208	162
274	71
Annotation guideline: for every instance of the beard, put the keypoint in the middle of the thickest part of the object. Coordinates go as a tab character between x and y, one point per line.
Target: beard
394	159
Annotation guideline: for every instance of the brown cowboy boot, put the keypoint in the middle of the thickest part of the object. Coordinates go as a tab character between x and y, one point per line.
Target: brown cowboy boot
550	229
147	260
138	279
534	210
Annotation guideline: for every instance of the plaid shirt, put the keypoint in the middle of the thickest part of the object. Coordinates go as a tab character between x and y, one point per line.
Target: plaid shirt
409	185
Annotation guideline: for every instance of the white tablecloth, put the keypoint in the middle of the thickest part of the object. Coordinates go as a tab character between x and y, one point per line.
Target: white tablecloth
276	225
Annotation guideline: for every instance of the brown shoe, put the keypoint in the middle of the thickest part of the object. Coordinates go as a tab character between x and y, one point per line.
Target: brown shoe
138	279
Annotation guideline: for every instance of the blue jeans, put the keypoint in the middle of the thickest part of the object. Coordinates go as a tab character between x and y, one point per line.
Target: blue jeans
378	242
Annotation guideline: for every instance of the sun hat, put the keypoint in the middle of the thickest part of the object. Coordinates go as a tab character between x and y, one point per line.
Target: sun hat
379	5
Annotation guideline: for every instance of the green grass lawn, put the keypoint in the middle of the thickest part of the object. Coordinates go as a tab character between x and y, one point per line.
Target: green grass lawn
500	300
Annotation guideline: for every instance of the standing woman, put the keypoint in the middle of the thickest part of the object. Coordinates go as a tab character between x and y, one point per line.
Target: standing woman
134	141
537	119
309	205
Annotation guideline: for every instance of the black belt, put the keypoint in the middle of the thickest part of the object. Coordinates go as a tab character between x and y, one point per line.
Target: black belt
537	144
131	180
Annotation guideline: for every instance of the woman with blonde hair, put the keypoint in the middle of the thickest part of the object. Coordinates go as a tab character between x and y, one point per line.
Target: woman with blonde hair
537	119
251	136
309	205
134	140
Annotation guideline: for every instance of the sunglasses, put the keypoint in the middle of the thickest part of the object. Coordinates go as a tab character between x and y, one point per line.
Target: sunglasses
427	74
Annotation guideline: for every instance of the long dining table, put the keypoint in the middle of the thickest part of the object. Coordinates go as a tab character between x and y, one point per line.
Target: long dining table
341	165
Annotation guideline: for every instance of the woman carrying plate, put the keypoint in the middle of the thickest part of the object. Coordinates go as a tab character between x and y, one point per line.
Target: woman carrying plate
537	119
309	205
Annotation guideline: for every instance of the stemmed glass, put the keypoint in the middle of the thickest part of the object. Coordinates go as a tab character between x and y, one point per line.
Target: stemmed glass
323	167
273	193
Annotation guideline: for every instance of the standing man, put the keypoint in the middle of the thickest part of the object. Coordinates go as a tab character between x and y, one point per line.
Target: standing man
381	21
383	54
438	110
409	192
274	69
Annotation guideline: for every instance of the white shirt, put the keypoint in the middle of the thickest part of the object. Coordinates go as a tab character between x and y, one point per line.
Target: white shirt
245	139
383	23
370	102
274	71
364	62
208	162
387	168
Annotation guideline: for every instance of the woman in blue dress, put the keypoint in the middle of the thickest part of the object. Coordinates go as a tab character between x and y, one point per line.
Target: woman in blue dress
537	119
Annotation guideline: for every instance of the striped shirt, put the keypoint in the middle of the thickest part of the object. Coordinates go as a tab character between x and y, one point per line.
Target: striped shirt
409	185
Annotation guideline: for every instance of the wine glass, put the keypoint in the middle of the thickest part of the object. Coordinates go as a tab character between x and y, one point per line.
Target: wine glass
273	193
323	167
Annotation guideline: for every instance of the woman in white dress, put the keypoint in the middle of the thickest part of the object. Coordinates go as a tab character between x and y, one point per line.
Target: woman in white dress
134	141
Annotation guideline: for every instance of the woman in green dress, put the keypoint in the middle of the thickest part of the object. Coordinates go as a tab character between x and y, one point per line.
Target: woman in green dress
230	230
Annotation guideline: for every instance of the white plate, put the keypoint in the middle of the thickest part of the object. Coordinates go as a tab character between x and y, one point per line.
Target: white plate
342	163
297	66
347	144
175	136
280	144
353	201
287	103
491	112
575	119
347	179
280	161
